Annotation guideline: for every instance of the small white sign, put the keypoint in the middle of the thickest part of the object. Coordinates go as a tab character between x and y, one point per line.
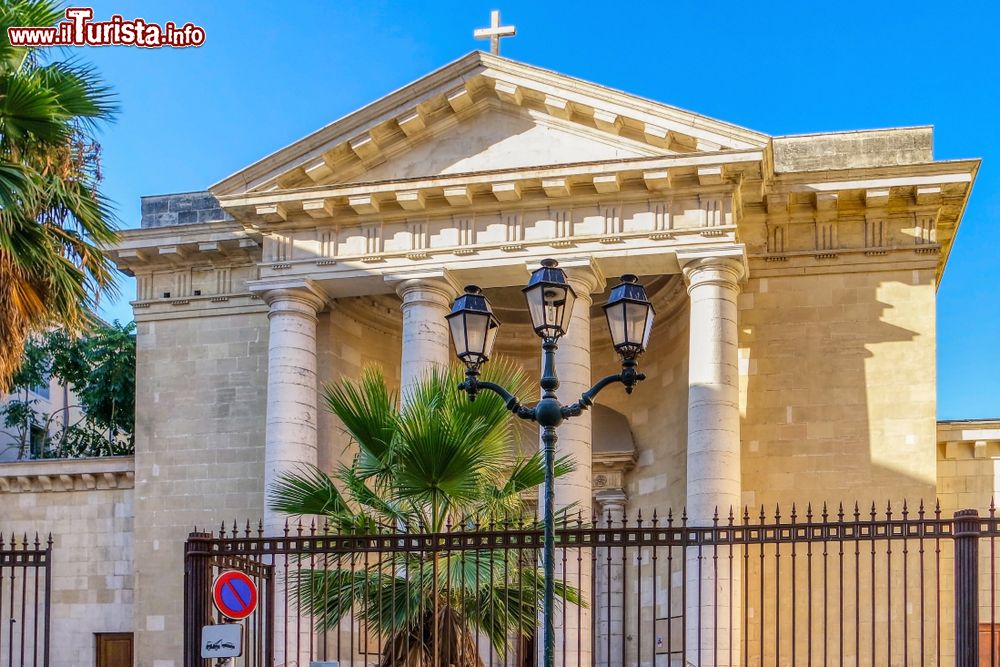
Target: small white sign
222	641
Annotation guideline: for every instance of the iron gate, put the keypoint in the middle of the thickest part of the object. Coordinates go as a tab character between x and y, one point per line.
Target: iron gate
25	585
203	564
824	586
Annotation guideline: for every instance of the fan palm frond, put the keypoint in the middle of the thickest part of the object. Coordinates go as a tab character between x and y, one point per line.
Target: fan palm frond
439	461
54	222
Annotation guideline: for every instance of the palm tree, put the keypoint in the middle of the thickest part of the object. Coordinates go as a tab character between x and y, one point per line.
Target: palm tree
53	219
438	463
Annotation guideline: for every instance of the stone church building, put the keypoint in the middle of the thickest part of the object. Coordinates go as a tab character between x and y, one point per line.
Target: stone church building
794	280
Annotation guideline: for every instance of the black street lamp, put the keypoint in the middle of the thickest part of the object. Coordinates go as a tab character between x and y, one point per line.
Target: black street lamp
550	303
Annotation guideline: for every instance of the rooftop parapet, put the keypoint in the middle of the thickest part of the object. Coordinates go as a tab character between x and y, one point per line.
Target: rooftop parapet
185	208
853	150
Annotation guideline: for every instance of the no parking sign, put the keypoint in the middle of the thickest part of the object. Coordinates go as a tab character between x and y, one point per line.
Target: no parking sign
234	594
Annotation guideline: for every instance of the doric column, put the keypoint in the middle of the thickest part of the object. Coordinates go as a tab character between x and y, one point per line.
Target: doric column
575	439
713	443
608	586
290	429
573	369
426	341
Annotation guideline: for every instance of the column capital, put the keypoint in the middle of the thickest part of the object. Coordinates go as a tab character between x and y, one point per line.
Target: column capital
303	296
423	285
435	290
724	269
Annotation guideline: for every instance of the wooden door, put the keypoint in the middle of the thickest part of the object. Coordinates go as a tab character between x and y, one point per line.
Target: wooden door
114	649
986	651
525	651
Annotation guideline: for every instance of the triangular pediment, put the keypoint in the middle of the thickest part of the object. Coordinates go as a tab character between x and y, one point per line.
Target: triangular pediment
485	113
498	139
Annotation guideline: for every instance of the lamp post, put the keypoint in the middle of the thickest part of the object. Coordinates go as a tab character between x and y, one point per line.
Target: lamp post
550	300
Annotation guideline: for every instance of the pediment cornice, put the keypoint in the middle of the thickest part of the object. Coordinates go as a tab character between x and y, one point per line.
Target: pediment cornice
365	138
458	193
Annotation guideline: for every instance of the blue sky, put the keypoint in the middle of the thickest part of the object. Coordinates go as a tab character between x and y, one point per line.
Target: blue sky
270	73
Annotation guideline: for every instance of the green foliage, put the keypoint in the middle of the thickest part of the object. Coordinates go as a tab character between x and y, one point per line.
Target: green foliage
436	463
100	369
107	388
34	370
54	221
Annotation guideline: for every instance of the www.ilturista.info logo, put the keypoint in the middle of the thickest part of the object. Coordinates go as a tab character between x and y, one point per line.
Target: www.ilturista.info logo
80	30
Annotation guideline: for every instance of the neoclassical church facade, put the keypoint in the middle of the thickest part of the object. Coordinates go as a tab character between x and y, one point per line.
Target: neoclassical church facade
794	281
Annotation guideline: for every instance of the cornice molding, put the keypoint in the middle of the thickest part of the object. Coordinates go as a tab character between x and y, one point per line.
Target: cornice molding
456	91
685	175
60	475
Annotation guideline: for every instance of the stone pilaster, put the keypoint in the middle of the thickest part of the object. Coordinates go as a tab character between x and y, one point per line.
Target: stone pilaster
426	340
713	444
610	591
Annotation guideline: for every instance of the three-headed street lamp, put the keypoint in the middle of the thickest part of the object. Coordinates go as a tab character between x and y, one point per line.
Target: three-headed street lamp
550	300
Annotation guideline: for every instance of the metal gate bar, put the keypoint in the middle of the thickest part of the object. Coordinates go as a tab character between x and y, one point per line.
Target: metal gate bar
814	586
25	601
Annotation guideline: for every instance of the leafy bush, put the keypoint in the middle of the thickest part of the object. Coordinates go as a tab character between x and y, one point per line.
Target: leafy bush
100	369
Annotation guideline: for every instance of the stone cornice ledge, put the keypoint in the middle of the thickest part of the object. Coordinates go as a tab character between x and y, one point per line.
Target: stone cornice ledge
102	473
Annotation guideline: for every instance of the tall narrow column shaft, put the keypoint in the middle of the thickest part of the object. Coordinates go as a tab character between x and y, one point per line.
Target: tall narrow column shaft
290	427
290	438
713	453
609	585
425	331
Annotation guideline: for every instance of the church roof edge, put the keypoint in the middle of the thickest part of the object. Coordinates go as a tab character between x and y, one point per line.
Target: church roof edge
466	67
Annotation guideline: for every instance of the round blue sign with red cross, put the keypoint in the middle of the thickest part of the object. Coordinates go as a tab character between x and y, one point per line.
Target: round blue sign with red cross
234	594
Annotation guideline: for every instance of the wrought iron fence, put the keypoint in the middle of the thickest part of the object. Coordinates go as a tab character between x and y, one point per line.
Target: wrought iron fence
816	586
206	559
25	601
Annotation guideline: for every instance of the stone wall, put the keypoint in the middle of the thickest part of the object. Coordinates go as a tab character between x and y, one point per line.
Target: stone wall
87	506
968	469
185	208
852	150
838	387
969	478
201	384
350	339
838	401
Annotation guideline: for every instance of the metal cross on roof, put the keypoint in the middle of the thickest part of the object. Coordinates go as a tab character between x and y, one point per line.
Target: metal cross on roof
495	32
